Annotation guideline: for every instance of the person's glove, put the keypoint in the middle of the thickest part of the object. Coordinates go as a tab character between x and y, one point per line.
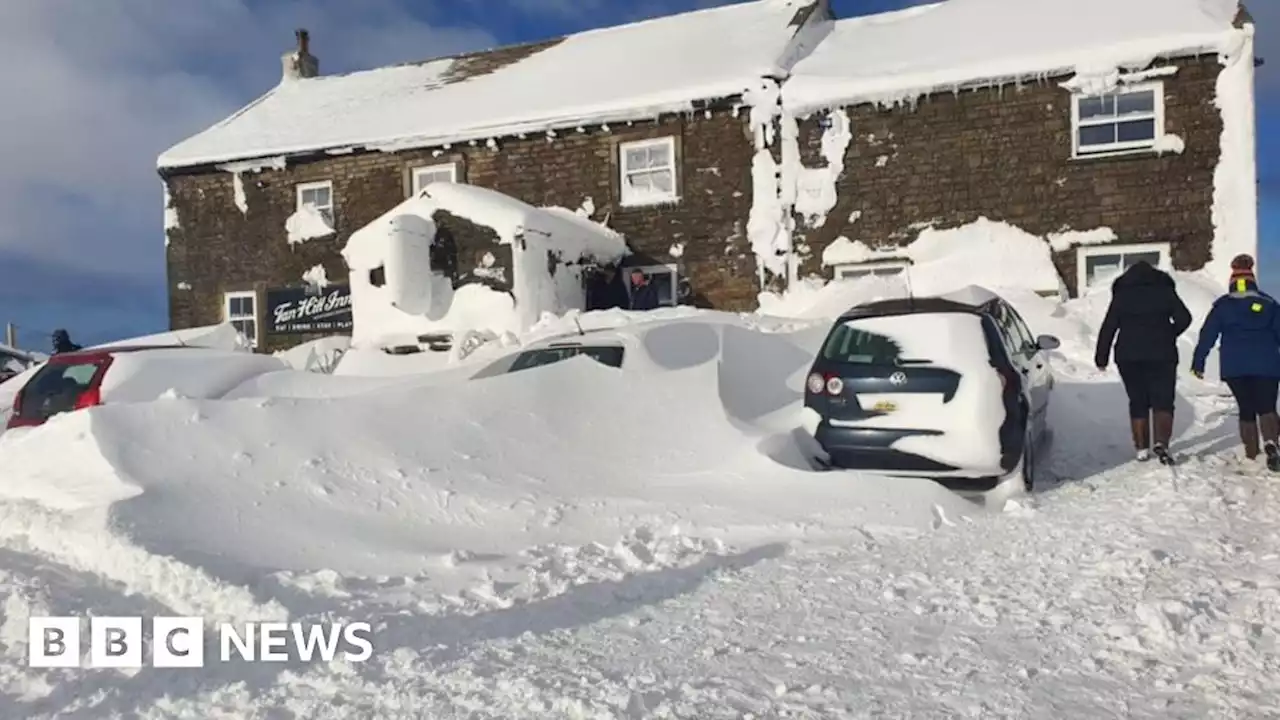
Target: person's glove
1199	374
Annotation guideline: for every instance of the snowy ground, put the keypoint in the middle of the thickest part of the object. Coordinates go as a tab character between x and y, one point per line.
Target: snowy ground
521	557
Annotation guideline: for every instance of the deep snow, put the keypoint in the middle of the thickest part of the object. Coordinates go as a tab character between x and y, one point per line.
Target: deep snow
523	556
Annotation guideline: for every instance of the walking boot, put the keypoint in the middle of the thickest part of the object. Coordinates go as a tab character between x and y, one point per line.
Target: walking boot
1162	432
1141	429
1249	436
1270	426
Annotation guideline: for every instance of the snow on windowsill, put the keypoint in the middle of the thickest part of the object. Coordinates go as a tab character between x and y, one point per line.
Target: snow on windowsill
305	224
648	202
1168	143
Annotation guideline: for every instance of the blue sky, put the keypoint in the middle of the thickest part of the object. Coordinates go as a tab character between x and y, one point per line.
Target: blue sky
108	85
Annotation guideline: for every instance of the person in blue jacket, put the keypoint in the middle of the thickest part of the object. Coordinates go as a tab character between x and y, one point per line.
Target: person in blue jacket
644	294
1247	322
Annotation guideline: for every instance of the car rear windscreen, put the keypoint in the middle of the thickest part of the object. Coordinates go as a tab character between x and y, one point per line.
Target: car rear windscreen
849	344
610	355
54	389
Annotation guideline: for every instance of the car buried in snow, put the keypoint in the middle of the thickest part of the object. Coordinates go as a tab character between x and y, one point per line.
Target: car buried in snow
140	373
954	388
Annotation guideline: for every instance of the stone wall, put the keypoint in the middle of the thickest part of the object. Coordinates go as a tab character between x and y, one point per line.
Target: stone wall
1006	153
1003	153
218	249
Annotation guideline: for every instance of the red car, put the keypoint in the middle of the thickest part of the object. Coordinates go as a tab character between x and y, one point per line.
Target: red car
85	378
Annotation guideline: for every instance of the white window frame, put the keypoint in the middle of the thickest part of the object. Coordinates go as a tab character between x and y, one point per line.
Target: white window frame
669	142
255	317
842	270
415	185
1118	148
670	268
1084	252
327	211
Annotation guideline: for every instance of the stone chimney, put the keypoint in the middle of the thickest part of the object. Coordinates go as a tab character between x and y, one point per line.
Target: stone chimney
300	63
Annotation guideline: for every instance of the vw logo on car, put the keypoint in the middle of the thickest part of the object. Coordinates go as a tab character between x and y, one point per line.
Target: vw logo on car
898	378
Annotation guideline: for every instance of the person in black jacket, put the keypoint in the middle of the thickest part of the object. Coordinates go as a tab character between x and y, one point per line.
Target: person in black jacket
62	342
1148	316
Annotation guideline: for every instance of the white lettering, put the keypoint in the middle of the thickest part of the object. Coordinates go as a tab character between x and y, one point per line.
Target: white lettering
349	633
244	645
316	636
272	640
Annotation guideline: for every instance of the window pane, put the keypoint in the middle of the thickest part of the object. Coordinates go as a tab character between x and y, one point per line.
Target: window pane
1151	258
635	159
664	285
1097	135
659	155
1136	130
662	181
1098	268
639	181
1090	107
1136	102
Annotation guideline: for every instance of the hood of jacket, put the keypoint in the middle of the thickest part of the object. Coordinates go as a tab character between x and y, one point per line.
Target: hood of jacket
1143	274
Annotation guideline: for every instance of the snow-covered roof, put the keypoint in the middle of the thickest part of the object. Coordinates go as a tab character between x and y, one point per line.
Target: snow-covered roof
608	75
508	217
902	55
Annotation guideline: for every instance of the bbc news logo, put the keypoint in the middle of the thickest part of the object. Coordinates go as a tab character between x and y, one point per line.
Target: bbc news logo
179	642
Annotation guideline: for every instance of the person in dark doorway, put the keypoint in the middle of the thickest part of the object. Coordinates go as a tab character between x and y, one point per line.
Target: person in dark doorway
644	294
1247	321
605	289
62	342
1148	316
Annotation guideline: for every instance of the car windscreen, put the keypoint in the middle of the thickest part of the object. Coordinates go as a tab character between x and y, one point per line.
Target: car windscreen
55	388
880	341
610	355
848	343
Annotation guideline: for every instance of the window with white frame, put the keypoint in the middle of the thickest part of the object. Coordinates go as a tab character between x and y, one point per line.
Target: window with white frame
665	279
241	310
1127	120
318	195
853	271
647	171
1098	264
424	176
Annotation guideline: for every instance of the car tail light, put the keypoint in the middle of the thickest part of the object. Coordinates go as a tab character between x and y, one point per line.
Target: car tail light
816	383
89	398
819	383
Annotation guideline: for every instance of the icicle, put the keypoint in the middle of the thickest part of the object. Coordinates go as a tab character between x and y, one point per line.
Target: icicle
604	127
581	129
437	152
492	144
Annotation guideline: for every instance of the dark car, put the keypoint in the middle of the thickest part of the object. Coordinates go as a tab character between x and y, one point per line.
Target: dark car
900	385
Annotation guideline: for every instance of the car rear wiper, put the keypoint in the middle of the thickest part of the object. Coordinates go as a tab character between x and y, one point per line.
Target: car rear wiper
914	361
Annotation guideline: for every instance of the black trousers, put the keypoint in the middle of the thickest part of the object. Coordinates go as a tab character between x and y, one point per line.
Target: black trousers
1149	385
1254	395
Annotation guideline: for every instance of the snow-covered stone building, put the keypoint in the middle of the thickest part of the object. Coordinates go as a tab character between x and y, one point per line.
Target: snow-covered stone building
755	144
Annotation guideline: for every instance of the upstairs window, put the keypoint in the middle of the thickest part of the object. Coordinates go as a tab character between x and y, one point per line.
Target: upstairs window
647	172
424	176
318	195
1128	120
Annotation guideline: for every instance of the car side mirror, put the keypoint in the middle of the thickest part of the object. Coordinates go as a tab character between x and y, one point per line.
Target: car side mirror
1048	342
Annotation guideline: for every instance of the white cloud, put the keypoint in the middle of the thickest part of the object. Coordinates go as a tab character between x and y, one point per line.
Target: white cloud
94	91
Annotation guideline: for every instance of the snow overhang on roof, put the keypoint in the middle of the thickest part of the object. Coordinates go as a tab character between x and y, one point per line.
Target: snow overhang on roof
615	74
901	56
